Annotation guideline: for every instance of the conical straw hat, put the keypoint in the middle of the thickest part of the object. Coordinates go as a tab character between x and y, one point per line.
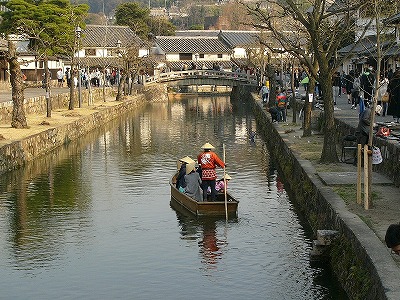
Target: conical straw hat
187	160
227	177
207	146
190	167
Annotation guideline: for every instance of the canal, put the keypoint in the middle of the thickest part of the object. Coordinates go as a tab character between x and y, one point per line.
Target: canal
93	220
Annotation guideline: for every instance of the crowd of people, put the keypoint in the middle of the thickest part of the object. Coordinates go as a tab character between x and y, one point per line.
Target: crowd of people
201	183
359	88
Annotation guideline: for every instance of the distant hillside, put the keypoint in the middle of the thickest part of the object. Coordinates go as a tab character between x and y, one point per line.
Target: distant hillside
97	6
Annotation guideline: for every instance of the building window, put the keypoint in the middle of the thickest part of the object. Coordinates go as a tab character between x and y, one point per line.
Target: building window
201	55
90	52
219	55
185	56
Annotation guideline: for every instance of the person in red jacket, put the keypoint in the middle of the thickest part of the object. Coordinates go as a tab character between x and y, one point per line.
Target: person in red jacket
208	161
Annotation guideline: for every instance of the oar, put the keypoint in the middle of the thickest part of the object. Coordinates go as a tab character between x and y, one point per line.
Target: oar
226	200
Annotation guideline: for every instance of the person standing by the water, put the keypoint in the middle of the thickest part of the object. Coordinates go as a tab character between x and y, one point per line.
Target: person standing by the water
208	161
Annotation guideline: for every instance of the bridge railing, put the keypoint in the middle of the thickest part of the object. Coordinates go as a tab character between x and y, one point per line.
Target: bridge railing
199	74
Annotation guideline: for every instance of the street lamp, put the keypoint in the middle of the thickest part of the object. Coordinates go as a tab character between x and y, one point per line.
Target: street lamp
78	31
119	44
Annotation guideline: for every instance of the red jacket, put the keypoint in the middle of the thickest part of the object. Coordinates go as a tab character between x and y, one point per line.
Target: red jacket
209	160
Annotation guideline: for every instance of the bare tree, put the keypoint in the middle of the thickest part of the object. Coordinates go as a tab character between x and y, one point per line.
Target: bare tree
323	30
18	114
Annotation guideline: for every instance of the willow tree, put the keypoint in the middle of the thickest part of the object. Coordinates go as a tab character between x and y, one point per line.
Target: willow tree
324	29
49	25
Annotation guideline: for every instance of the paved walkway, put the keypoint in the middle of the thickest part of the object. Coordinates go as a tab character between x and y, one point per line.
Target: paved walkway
386	200
5	95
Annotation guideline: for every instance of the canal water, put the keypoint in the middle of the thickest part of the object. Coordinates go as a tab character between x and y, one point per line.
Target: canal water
93	220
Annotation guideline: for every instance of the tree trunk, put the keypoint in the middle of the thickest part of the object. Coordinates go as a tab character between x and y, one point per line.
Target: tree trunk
293	100
329	154
121	87
71	105
272	85
18	115
47	85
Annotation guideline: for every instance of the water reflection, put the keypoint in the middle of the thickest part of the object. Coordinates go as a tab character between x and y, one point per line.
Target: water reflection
204	231
97	209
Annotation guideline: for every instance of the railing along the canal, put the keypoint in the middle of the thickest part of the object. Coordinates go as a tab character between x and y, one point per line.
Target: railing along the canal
202	74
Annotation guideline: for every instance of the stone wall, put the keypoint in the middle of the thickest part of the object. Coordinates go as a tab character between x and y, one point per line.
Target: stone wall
390	152
324	209
37	105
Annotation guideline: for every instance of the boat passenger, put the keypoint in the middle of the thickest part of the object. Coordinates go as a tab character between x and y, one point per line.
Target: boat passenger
193	183
208	161
180	179
220	184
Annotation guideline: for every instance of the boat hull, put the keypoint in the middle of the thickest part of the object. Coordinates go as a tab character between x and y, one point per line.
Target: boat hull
206	208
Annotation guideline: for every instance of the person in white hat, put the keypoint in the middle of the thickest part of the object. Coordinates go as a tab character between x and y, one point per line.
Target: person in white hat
208	161
180	179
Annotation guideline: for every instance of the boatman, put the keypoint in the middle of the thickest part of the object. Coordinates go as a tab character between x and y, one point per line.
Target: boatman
208	161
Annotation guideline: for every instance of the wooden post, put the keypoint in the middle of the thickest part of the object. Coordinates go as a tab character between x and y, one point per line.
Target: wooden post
366	178
359	171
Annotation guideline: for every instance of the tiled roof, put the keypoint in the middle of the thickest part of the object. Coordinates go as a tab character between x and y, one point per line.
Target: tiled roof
239	38
179	44
193	33
96	36
232	38
395	19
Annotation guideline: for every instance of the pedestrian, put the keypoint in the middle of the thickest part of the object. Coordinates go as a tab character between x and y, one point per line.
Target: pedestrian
348	83
392	238
68	76
336	87
393	90
208	161
281	104
382	91
60	78
355	93
367	84
264	92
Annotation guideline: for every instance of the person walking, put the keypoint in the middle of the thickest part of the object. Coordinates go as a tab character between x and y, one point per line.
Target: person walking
60	78
208	161
348	83
367	84
394	96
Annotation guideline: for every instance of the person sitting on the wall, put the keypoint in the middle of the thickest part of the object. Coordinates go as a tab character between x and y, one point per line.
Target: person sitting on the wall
274	113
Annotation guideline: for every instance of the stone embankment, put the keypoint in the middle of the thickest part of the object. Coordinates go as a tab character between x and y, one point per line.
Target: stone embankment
18	146
358	257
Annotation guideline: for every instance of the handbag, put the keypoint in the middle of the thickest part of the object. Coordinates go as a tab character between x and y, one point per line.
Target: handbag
376	156
385	97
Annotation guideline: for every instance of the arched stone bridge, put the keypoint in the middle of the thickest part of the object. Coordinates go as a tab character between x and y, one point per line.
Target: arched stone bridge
203	77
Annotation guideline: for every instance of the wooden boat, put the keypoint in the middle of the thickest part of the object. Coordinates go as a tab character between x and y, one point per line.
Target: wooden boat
206	208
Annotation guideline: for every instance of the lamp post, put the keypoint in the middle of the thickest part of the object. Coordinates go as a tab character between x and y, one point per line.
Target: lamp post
119	43
78	31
